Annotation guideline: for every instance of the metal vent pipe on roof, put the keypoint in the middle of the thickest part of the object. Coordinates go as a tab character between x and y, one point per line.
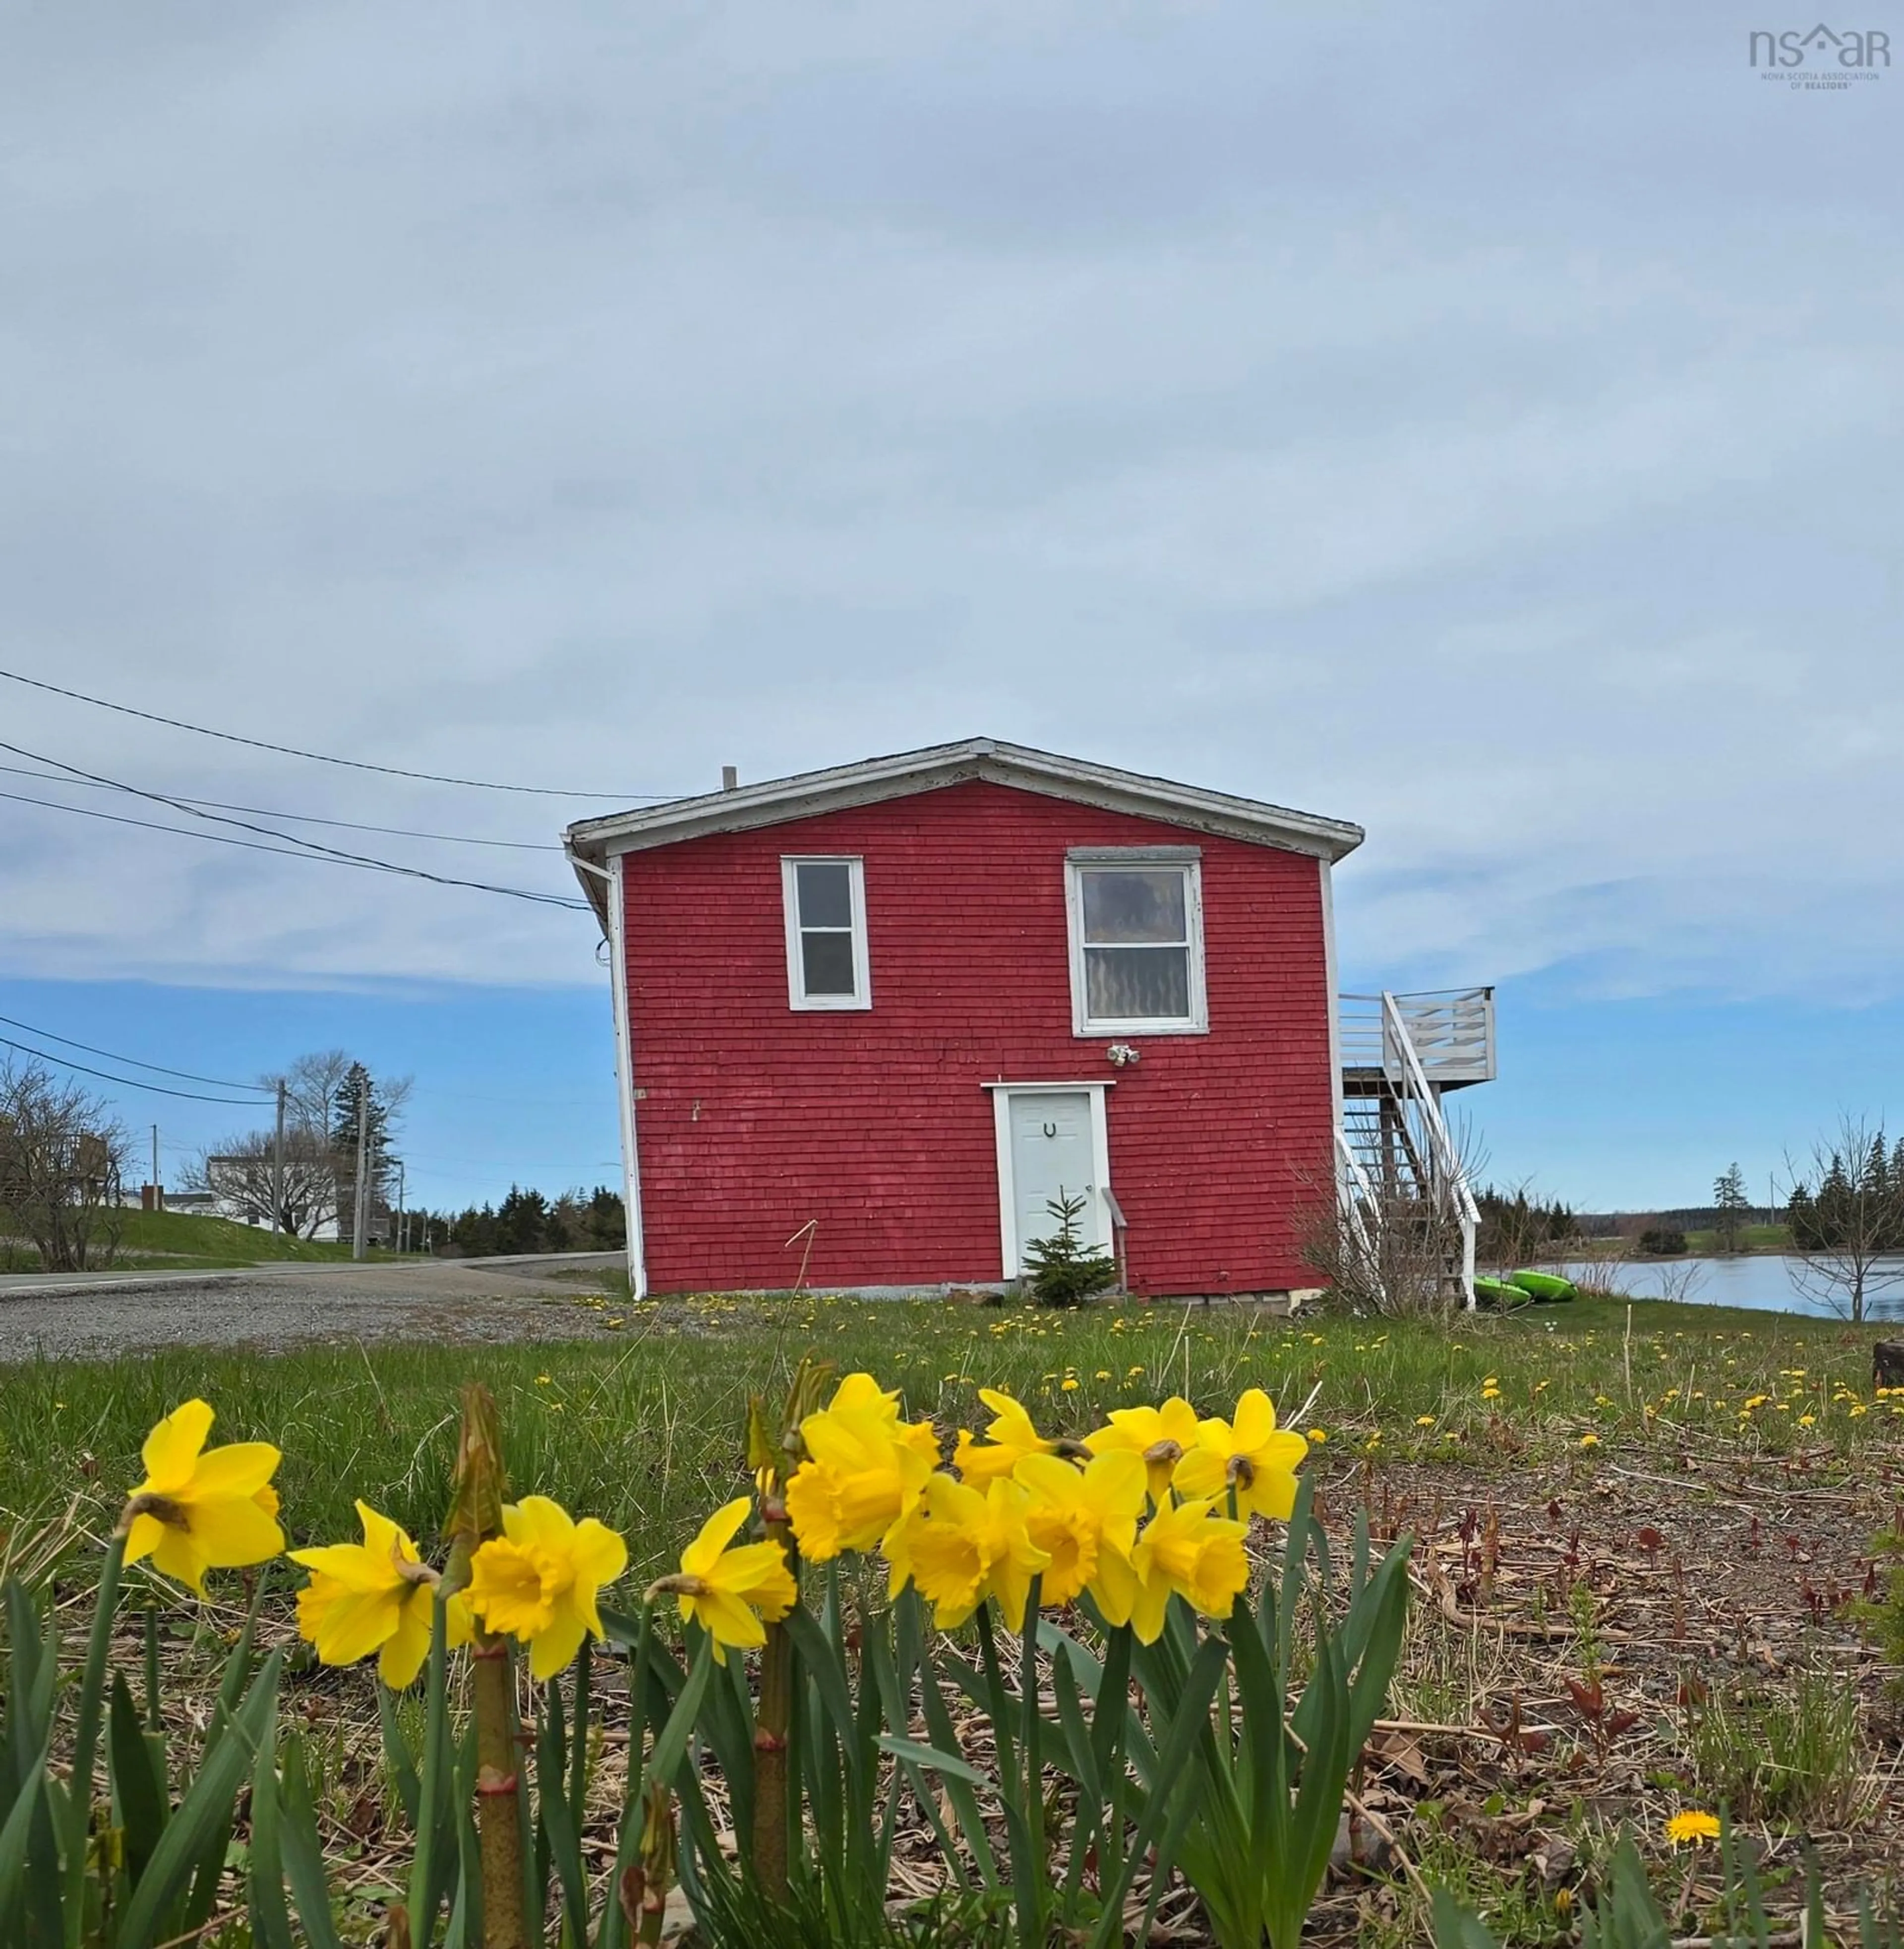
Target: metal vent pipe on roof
729	778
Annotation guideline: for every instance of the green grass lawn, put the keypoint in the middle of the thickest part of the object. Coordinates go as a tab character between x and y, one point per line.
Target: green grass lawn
642	1427
187	1242
1752	1238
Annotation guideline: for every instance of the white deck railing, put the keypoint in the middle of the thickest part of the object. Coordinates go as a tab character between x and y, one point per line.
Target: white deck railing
1408	1161
1452	1031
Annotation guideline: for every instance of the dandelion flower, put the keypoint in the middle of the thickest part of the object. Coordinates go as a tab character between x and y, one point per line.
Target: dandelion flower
1692	1829
1424	1421
195	1511
1590	1440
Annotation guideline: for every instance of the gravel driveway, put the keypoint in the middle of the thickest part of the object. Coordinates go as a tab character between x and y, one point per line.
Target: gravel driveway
268	1308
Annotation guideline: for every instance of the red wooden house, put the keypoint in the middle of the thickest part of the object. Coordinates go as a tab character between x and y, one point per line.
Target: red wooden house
870	1020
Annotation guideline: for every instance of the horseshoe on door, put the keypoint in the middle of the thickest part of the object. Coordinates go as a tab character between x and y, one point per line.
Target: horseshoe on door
1050	1130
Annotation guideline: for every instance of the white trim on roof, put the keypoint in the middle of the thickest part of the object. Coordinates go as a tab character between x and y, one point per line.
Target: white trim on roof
807	794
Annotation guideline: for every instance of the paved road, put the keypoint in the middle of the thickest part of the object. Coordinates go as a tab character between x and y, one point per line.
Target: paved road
270	1306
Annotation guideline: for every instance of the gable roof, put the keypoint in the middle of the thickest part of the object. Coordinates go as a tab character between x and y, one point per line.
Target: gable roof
592	842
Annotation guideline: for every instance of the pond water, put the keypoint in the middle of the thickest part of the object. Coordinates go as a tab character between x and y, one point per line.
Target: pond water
1762	1281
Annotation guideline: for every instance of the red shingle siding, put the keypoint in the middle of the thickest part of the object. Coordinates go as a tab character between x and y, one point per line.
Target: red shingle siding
754	1118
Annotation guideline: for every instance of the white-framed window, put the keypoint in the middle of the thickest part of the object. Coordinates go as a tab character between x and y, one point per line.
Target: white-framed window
1137	940
827	963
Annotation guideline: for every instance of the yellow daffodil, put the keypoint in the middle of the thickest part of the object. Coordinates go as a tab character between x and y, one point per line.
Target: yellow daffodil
1692	1829
374	1596
196	1511
538	1581
1079	1516
729	1592
1187	1549
1252	1455
863	1473
861	1394
961	1547
1161	1435
1010	1438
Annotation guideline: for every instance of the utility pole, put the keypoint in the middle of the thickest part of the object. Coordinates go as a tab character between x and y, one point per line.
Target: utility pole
360	1213
402	1215
278	1165
158	1192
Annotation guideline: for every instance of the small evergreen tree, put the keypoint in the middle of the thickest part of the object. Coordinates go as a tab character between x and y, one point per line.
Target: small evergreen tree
1732	1205
1063	1271
359	1086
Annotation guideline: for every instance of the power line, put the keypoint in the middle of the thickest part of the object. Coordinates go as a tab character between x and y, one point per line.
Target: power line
152	824
254	846
313	818
124	1082
113	1055
303	848
321	757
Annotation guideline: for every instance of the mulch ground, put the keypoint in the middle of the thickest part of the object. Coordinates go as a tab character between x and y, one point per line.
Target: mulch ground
1588	1612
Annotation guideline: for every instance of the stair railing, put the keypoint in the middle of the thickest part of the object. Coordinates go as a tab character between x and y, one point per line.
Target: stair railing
1434	1146
1358	1198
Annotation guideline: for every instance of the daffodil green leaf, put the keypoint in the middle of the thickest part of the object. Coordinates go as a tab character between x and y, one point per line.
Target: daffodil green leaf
921	1755
303	1855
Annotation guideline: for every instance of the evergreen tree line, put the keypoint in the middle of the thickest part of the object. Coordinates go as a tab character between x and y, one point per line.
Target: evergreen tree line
527	1221
1858	1199
1514	1226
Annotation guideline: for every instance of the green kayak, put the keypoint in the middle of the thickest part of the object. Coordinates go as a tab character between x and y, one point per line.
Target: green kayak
1543	1285
1501	1294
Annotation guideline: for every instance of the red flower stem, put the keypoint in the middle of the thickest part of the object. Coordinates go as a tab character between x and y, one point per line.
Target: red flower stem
498	1832
772	1724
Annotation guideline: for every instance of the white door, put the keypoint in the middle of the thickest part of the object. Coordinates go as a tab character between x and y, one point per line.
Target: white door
1054	1152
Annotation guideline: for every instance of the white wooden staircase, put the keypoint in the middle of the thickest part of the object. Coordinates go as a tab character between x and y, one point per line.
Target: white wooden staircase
1408	1210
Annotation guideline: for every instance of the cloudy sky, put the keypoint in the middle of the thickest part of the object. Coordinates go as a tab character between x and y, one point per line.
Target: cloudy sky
1481	422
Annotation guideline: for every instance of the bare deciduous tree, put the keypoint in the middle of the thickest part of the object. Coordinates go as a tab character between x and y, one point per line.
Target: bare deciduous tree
62	1157
312	1083
319	1170
241	1172
1397	1255
1846	1212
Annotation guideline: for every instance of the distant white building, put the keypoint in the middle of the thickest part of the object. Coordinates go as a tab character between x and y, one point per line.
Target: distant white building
240	1188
